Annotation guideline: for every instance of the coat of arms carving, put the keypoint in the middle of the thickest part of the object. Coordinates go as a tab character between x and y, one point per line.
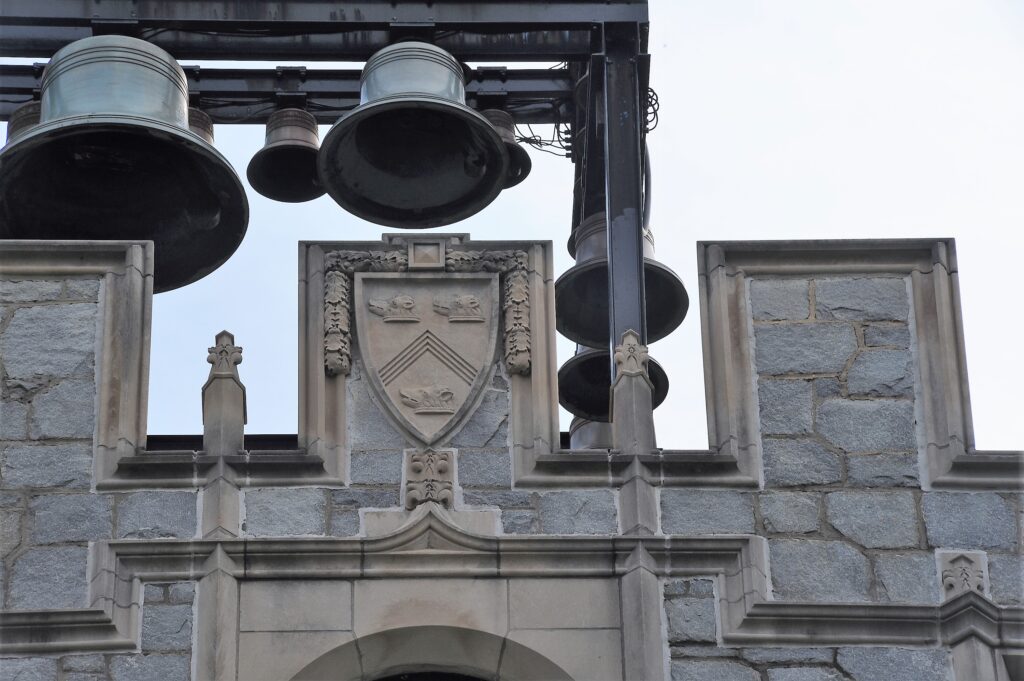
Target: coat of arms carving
428	370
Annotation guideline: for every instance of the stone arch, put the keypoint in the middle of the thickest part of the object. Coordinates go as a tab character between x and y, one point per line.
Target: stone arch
455	650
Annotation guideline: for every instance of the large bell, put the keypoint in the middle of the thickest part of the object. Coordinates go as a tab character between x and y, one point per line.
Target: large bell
585	380
22	119
519	163
113	158
412	154
285	168
584	434
581	294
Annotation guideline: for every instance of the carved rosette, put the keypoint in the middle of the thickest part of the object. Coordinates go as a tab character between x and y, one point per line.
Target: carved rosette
429	478
631	357
340	266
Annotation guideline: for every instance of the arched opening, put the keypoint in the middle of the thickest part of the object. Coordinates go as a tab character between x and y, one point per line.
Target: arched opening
432	653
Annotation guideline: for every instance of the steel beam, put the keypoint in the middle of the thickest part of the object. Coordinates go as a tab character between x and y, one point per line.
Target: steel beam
623	130
525	30
251	95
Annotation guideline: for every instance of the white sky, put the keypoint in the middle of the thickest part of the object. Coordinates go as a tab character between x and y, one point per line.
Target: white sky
780	119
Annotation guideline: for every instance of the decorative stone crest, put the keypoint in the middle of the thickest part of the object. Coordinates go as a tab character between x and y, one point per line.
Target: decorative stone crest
399	308
459	308
428	479
631	356
426	375
962	572
341	266
435	399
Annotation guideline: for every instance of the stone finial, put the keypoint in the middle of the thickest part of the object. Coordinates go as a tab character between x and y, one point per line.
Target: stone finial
631	355
962	571
224	356
429	479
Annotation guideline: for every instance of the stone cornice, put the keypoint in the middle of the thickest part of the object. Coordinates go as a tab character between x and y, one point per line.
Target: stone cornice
430	545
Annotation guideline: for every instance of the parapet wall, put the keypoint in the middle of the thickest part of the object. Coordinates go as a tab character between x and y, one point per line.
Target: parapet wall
840	525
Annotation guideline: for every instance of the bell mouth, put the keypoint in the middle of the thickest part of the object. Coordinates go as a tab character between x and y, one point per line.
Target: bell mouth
286	172
581	302
130	178
585	380
413	162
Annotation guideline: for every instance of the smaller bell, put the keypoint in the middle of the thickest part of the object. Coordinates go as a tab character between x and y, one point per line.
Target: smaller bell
285	168
585	380
581	294
24	117
584	434
519	163
200	123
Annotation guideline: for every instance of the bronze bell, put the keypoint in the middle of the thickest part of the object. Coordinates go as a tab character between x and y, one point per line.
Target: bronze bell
584	434
519	163
581	294
22	119
585	380
200	123
412	154
285	168
113	158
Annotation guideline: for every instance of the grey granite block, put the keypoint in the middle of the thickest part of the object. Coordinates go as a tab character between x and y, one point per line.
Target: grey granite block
701	511
895	335
153	514
868	425
29	668
780	299
13	420
887	664
344	522
907	577
66	465
49	577
485	469
150	668
182	592
1006	578
488	426
823	571
799	462
50	340
790	512
712	670
166	628
354	497
67	410
84	663
969	520
805	674
862	298
881	373
785	407
377	468
60	518
893	469
29	290
285	512
519	522
876	520
787	655
578	512
691	619
803	348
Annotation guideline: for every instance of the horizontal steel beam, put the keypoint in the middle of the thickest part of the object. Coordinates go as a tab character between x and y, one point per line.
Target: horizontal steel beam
251	95
526	30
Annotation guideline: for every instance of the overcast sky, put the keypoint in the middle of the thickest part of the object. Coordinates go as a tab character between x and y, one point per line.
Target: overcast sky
781	119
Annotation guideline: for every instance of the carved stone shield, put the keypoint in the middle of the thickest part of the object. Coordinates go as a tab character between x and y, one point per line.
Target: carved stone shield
427	341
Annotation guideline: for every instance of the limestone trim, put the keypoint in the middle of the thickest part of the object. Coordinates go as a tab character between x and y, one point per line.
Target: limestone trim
431	546
122	361
953	462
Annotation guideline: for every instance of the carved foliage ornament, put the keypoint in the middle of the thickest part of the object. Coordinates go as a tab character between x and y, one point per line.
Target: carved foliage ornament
631	356
429	479
341	265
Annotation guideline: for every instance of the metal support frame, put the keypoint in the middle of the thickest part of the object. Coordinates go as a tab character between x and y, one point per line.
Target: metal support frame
623	142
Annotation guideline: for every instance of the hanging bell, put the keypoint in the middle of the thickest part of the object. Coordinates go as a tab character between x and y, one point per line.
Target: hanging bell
285	168
412	154
581	294
585	380
519	163
22	119
113	158
200	123
584	434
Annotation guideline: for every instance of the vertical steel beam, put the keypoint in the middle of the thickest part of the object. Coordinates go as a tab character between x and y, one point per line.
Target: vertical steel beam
623	132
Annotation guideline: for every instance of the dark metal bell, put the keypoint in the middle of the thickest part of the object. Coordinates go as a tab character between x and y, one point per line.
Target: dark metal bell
285	168
519	163
22	119
200	123
585	380
412	154
584	434
113	158
581	294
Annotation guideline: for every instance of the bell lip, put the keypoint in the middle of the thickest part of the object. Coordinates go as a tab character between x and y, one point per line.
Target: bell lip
363	111
651	267
218	165
266	191
593	411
